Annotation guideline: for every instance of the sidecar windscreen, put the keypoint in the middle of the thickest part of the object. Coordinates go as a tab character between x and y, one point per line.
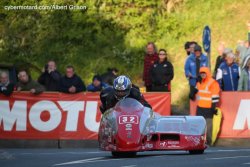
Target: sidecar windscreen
128	105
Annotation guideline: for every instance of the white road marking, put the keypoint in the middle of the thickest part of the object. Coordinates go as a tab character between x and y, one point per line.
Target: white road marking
219	158
56	153
90	160
78	161
240	150
233	150
246	163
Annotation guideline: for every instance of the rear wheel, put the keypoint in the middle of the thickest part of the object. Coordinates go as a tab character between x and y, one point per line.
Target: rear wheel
196	151
123	154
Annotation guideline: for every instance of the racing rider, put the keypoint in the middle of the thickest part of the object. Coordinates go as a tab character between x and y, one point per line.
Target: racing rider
122	88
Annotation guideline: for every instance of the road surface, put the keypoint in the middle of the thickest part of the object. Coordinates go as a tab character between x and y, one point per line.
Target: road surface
213	157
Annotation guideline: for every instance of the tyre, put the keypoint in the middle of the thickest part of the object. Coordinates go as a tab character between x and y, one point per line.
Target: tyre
123	154
196	151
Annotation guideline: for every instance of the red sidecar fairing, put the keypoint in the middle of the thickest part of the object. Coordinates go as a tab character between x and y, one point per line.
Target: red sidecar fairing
130	126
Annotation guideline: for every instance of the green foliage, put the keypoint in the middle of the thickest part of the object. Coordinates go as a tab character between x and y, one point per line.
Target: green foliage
113	33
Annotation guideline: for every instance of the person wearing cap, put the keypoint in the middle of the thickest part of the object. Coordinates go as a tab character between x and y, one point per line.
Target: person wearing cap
244	81
162	73
97	85
228	74
207	97
192	66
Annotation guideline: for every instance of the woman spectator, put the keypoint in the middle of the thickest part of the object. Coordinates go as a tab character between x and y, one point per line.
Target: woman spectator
162	73
244	81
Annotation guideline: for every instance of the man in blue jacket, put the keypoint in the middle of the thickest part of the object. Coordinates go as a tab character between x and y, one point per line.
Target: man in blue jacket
228	74
192	66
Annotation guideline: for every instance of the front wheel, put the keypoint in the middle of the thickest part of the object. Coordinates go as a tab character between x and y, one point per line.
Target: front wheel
196	151
123	154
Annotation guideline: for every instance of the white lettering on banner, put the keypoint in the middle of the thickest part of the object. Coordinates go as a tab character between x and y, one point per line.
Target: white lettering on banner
73	108
8	117
243	115
18	115
37	109
90	116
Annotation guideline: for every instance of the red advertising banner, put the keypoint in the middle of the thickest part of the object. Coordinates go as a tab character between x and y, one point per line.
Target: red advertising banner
58	115
235	107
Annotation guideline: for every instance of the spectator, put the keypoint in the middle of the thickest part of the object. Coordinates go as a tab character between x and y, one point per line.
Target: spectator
192	46
27	84
220	58
162	73
149	59
228	74
97	84
187	48
109	76
245	51
192	67
207	98
244	81
242	50
50	78
6	87
71	83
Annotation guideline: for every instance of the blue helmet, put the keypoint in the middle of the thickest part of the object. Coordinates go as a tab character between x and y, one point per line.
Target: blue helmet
122	86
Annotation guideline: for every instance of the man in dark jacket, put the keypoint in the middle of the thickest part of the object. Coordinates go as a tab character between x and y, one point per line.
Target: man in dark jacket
6	87
71	83
162	73
27	84
50	78
149	59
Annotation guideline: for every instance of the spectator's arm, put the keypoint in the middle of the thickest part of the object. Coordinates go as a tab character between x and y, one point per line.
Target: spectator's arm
219	77
170	74
8	91
151	75
186	68
240	84
63	88
217	64
55	75
90	88
38	88
41	79
80	86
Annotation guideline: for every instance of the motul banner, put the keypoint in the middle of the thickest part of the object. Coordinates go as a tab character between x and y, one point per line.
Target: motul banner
58	115
235	107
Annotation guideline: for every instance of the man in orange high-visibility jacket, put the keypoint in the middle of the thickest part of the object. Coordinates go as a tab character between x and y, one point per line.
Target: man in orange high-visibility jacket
207	98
